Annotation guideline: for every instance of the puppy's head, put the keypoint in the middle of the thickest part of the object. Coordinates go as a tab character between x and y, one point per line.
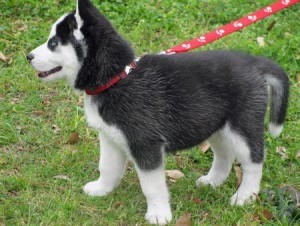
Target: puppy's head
61	55
83	47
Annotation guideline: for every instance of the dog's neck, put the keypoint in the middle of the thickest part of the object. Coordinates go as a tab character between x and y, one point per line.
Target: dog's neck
114	80
105	59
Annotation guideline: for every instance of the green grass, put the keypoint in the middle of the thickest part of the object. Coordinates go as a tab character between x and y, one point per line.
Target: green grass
33	150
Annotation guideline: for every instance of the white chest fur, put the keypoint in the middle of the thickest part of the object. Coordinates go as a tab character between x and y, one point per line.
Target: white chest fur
112	132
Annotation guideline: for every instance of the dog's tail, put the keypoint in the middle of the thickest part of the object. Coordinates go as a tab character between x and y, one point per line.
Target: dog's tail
279	94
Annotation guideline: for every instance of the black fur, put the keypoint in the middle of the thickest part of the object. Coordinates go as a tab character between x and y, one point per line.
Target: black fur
177	101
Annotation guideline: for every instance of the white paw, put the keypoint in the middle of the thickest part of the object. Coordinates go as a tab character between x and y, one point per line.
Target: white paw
206	180
159	215
96	188
240	199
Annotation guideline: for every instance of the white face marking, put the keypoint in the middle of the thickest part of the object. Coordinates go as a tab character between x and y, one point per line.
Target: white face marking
63	55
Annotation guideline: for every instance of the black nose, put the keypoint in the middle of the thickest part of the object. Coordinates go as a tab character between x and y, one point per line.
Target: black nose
30	57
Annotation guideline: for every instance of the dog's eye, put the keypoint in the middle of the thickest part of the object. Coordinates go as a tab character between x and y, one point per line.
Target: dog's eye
52	43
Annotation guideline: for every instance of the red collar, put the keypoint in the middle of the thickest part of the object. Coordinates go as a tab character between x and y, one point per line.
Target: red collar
113	81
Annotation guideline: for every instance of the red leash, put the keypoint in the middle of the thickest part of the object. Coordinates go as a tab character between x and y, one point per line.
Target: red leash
231	27
208	38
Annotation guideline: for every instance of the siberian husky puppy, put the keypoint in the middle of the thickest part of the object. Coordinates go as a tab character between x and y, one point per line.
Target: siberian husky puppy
164	103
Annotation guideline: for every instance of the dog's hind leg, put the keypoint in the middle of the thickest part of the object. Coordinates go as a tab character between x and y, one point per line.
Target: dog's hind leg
111	166
249	188
250	153
222	162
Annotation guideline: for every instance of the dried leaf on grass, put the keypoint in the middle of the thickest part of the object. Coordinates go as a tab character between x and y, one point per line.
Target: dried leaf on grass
282	151
298	78
46	102
255	218
256	196
13	193
39	113
204	146
118	204
22	148
81	101
3	57
239	175
174	175
179	162
298	154
198	201
15	100
291	168
74	138
23	28
62	177
123	223
267	214
184	220
129	167
261	217
7	87
261	41
55	128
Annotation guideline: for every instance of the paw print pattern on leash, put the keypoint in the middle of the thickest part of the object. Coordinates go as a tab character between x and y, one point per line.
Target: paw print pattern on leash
286	2
186	46
237	24
220	32
252	17
201	39
268	9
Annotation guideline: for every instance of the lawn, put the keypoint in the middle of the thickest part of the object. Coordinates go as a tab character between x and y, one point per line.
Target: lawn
42	173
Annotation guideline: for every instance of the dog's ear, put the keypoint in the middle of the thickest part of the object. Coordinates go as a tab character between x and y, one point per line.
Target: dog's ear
80	10
85	15
85	11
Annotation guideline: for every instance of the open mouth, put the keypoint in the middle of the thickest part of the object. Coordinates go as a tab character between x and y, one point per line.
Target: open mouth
43	74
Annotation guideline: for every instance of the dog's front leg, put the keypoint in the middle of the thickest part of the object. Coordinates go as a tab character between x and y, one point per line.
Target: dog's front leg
111	166
153	183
